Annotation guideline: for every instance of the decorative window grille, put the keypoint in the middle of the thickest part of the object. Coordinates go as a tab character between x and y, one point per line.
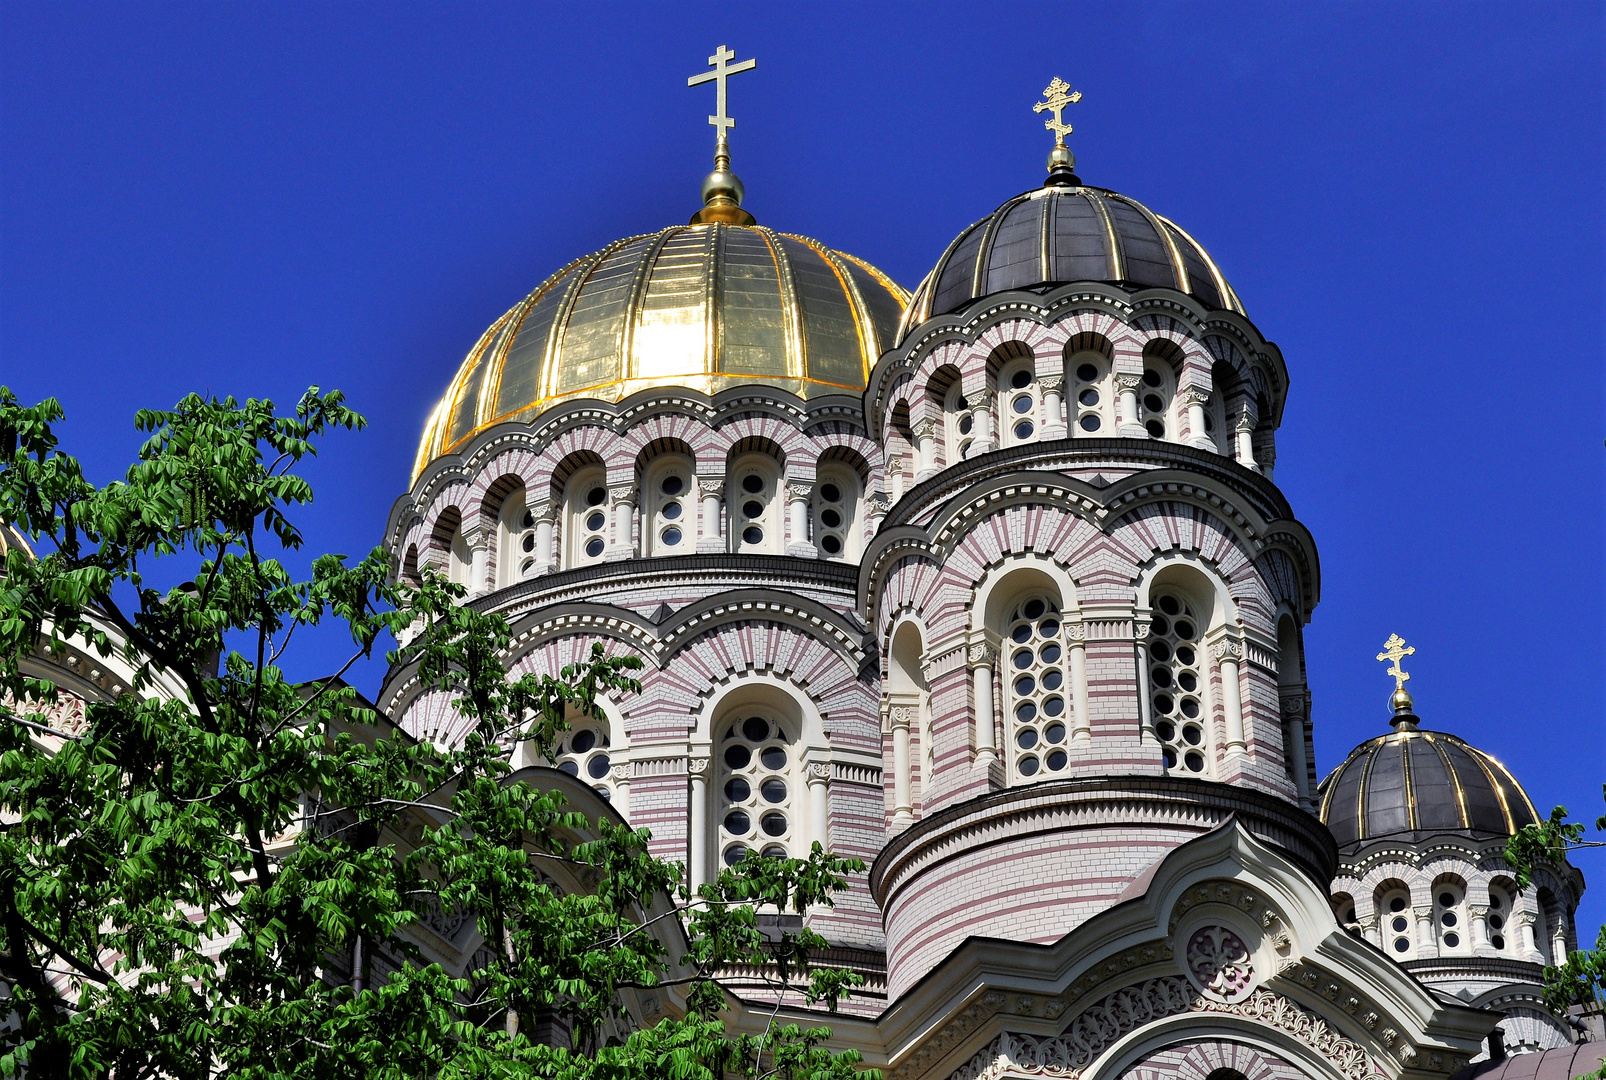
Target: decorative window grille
1176	686
757	788
1038	710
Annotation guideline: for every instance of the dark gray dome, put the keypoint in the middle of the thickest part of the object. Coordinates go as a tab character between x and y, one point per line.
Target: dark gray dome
1061	233
1420	782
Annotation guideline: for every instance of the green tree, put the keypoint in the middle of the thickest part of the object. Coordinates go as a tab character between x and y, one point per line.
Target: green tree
150	923
1580	979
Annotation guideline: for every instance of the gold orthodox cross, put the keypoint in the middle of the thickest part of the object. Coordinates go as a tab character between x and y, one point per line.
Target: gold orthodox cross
722	71
1059	94
1395	649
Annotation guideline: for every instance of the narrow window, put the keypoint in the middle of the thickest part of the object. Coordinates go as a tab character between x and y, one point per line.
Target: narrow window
1176	693
836	513
586	515
671	506
1090	400
1038	715
756	788
1019	402
1449	917
755	510
1154	400
959	425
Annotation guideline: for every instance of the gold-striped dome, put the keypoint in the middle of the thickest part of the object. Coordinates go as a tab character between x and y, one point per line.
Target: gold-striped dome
702	306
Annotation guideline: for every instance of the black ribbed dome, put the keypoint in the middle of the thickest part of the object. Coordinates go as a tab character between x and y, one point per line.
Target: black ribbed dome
1419	782
1061	233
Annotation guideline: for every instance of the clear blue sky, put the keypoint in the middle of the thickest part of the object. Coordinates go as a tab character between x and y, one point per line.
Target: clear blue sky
248	198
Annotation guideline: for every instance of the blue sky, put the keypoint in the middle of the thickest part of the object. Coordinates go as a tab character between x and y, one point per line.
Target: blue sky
248	198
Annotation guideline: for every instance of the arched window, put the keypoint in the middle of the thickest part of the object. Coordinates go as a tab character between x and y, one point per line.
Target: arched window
1394	921
837	494
1450	917
1155	397
1176	682
515	549
1500	910
671	491
1090	400
758	788
1037	714
585	751
755	509
585	516
958	423
1019	401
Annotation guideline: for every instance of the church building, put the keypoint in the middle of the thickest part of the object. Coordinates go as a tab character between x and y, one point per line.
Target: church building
989	584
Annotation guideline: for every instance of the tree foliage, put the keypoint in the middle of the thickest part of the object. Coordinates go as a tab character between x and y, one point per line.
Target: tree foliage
179	879
1580	979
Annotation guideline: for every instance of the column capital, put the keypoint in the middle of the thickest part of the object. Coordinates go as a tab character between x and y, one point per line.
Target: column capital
1128	384
621	773
696	767
1077	631
622	493
542	511
1228	649
1051	384
714	487
819	772
982	655
880	502
925	429
1193	395
476	531
799	490
1478	911
1293	706
903	716
1245	424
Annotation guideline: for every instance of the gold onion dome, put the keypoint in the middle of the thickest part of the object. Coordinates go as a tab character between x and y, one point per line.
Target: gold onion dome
708	306
1065	231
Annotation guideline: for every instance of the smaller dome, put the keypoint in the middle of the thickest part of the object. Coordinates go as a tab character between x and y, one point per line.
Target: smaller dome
1411	782
1061	233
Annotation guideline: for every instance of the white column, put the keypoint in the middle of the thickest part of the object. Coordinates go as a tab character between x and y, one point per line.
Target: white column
1195	398
544	554
1296	750
623	500
1479	913
478	538
712	491
926	447
621	788
1140	638
1558	946
1228	653
1053	406
895	477
1127	422
1082	722
1244	430
797	513
1427	944
819	778
981	427
1530	949
697	848
876	507
981	658
903	807
1370	927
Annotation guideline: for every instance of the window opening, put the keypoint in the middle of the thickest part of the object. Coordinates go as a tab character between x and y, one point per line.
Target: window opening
756	789
1039	717
1175	685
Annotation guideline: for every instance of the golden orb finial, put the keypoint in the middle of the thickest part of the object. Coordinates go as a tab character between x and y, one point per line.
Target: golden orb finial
722	191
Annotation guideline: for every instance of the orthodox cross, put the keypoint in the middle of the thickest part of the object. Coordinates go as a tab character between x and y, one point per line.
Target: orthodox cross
722	71
1059	94
1395	649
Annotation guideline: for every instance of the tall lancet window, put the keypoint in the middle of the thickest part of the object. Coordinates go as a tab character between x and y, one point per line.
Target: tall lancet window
757	787
1176	685
1038	715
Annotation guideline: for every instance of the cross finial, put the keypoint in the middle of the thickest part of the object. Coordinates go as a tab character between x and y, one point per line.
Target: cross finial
1058	95
1395	649
723	70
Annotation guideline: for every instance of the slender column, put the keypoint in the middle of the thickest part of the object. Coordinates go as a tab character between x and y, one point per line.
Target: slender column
1195	398
797	507
1228	653
1427	945
1053	406
1140	638
623	501
1558	946
819	778
903	807
544	554
981	419
621	788
697	855
1525	927
1082	722
1244	430
926	446
895	477
1370	926
712	491
1293	705
478	538
877	506
1479	914
1127	422
981	659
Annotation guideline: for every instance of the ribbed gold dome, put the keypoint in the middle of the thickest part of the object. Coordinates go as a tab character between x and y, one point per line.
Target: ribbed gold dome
704	307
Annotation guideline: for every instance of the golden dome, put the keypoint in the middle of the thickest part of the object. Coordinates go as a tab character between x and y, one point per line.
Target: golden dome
701	306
